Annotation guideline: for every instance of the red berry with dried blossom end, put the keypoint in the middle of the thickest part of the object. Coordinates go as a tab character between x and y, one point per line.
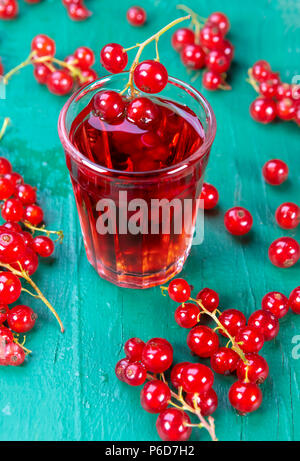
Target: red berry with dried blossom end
286	109
109	105
43	246
120	368
60	82
288	215
85	57
219	19
209	195
6	188
209	298
263	110
187	315
78	12
133	349
29	261
232	320
12	210
261	70
136	16
268	87
203	341
10	288
150	76
114	58
6	336
266	322
135	374
284	252
211	37
193	56
256	369
43	45
250	339
212	80
238	220
207	402
245	397
182	37
34	214
5	166
144	113
21	319
3	313
176	374
179	290
217	61
13	355
276	303
155	396
294	300
275	172
26	194
12	246
41	73
196	377
172	425
157	355
224	361
8	9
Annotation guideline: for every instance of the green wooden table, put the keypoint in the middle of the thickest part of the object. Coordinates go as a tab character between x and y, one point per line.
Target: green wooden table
68	390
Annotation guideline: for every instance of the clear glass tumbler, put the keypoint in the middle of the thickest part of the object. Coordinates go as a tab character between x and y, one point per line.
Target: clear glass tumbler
137	259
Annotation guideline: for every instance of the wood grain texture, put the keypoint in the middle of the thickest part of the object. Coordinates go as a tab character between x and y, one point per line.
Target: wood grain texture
67	390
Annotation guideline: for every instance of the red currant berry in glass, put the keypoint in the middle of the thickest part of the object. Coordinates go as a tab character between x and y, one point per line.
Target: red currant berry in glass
179	290
220	20
8	9
150	76
43	46
120	368
26	194
263	110
144	113
6	188
286	108
196	377
34	214
217	61
224	361
43	246
212	80
232	320
172	425
41	73
14	354
211	37
256	369
10	288
227	48
136	16
250	339
21	319
207	402
29	261
6	335
12	210
14	178
245	397
3	313
135	374
11	226
60	82
288	215
209	298
109	105
12	246
5	166
261	70
238	220
78	12
187	315
284	252
133	349
209	195
203	341
265	322
182	37
155	396
114	58
157	355
89	76
176	374
193	56
275	172
276	303
268	87
294	300
85	57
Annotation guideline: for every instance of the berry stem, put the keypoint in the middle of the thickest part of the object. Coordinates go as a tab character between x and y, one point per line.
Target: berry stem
20	66
196	21
252	81
60	233
5	124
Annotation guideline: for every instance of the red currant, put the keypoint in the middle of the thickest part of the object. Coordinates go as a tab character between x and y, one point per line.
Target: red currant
209	195
250	339
14	178
85	57
114	58
29	261
176	374
12	246
43	246
78	12
21	319
89	76
179	290
221	20
14	354
276	303
263	110
275	172
232	320
212	80
43	45
5	166
11	226
211	37
284	252
172	425
136	16
133	349
261	70
150	76
288	215
268	87
294	300
256	369
41	73
120	368
227	48
187	315
6	335
238	220
8	9
245	397
196	377
34	214
26	194
155	396
28	239
209	298
284	90
193	56
6	188
157	355
265	322
144	113
224	361
203	341
217	61
12	210
135	374
109	105
3	313
206	402
182	37
10	288
286	108
60	82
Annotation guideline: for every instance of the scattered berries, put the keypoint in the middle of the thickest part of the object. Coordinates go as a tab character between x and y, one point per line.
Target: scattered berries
210	196
288	215
275	172
238	221
284	252
275	303
136	16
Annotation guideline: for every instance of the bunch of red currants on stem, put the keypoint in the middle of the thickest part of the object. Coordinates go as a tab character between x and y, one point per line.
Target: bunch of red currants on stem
204	45
276	99
19	252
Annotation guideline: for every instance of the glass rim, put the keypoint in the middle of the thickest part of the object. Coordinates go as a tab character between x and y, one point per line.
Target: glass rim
179	167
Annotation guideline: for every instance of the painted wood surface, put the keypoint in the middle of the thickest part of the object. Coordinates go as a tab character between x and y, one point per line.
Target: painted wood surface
67	390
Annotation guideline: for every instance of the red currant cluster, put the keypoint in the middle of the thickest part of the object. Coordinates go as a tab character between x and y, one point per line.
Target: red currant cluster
136	16
144	361
76	9
204	45
276	99
19	251
74	70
